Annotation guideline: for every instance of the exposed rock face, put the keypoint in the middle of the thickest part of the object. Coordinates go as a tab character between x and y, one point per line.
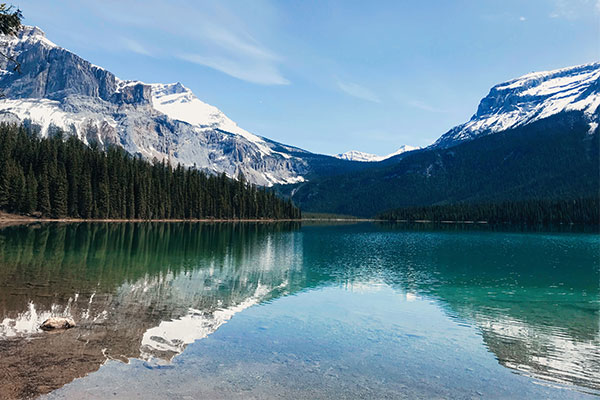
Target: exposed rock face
58	89
54	323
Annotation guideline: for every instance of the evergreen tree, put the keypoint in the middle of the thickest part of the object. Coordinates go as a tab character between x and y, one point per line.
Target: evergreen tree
59	193
66	178
31	194
44	193
16	184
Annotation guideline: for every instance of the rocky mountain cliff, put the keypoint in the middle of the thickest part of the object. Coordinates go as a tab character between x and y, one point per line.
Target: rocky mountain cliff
57	89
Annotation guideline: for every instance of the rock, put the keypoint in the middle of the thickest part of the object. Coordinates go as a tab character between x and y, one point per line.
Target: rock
57	323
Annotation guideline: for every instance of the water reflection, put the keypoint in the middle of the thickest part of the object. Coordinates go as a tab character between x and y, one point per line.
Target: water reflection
135	290
535	297
148	290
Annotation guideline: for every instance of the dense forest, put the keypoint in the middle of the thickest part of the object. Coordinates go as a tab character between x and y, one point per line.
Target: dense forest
578	211
556	159
61	177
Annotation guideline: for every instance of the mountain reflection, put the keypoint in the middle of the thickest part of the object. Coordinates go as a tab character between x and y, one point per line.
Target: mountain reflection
534	297
135	290
147	290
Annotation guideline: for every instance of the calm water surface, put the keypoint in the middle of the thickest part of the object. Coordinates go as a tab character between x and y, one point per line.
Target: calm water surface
244	311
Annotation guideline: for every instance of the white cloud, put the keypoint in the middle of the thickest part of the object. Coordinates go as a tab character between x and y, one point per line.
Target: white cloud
250	71
522	19
574	9
421	105
212	34
134	46
358	91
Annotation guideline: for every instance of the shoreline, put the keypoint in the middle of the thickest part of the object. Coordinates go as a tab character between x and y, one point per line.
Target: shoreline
27	220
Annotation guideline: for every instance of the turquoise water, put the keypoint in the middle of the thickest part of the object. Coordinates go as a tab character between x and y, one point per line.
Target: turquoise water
289	311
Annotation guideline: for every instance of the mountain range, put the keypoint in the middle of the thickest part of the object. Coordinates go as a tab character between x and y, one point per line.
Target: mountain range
56	89
534	136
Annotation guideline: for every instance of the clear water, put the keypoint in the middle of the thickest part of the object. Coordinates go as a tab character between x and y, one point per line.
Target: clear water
287	311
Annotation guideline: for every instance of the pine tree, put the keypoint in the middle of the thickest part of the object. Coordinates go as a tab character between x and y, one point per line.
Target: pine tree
16	184
60	193
85	199
4	186
31	194
44	193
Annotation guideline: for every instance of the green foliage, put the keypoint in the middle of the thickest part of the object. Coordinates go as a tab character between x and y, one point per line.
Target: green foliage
30	201
66	178
10	19
554	159
533	212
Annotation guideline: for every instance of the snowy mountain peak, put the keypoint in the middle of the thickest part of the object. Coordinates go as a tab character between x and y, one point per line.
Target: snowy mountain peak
58	89
530	98
403	149
31	34
355	155
179	103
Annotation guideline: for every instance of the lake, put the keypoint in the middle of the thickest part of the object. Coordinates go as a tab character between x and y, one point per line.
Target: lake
284	310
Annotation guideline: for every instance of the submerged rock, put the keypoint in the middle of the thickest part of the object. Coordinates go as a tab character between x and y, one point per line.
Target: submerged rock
57	323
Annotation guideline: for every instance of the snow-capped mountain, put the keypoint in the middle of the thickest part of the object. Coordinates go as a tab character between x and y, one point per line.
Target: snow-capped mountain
530	98
55	88
355	155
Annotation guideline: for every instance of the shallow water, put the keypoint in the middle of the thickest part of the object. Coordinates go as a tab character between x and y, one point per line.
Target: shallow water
179	310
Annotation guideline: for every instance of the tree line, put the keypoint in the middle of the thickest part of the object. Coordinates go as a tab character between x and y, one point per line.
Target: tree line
532	212
61	176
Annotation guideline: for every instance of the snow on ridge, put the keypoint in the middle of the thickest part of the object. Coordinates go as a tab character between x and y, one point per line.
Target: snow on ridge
203	137
355	155
30	34
542	75
530	98
178	102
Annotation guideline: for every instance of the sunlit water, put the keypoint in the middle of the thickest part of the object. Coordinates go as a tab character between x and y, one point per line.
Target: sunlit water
287	311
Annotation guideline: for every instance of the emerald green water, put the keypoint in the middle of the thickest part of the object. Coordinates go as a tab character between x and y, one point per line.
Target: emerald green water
178	310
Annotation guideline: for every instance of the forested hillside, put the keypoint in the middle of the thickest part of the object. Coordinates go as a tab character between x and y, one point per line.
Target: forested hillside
578	211
62	177
552	159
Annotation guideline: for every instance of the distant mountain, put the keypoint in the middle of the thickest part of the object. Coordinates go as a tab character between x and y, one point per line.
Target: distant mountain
531	98
535	137
355	155
56	89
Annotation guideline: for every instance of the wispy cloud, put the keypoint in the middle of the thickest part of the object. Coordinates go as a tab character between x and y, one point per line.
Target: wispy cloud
522	19
255	72
135	46
358	91
574	9
211	34
421	105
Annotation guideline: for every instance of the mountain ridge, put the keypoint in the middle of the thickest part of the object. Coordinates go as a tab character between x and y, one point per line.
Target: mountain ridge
56	89
530	98
355	155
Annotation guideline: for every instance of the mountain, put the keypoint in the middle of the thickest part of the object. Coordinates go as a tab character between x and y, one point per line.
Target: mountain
535	137
55	88
355	155
531	98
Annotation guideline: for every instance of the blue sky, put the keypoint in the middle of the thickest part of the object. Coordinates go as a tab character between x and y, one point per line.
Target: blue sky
329	76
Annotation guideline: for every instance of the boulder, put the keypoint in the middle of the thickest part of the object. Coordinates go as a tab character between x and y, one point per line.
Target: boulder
57	323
